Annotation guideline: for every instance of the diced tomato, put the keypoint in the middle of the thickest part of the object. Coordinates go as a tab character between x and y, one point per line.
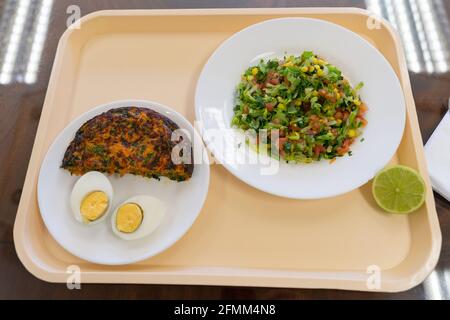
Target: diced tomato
323	93
273	78
280	146
363	120
261	85
345	147
281	142
362	109
315	123
330	97
348	142
327	95
318	149
270	106
339	115
346	115
315	127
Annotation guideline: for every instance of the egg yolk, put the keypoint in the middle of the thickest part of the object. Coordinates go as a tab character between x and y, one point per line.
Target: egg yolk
129	218
94	205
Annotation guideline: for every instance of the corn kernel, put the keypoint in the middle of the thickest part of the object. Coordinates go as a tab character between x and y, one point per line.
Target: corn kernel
317	67
320	72
321	62
249	77
281	106
338	96
255	71
315	60
288	64
305	69
311	68
357	102
351	133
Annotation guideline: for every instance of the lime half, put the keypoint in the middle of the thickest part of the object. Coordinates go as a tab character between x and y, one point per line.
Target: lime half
399	189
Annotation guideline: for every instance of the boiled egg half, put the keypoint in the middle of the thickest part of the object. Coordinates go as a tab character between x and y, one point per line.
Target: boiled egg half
138	217
91	197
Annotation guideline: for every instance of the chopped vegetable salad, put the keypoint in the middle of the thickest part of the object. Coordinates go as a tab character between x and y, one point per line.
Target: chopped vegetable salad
316	111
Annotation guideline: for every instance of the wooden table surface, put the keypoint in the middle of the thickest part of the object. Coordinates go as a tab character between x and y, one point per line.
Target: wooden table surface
20	107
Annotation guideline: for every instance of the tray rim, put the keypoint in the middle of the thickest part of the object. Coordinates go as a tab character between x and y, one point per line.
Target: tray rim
259	278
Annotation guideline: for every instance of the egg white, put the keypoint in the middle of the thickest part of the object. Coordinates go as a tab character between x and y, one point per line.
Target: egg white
153	210
86	184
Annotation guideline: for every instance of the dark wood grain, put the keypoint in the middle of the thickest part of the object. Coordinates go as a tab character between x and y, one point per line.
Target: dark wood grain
20	107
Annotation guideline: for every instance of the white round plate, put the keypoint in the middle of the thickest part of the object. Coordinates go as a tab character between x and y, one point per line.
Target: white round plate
359	61
97	243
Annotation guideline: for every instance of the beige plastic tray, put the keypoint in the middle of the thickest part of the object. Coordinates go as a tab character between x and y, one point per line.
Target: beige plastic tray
242	237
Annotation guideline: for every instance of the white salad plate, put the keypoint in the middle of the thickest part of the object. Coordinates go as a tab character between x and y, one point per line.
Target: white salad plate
359	61
97	243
